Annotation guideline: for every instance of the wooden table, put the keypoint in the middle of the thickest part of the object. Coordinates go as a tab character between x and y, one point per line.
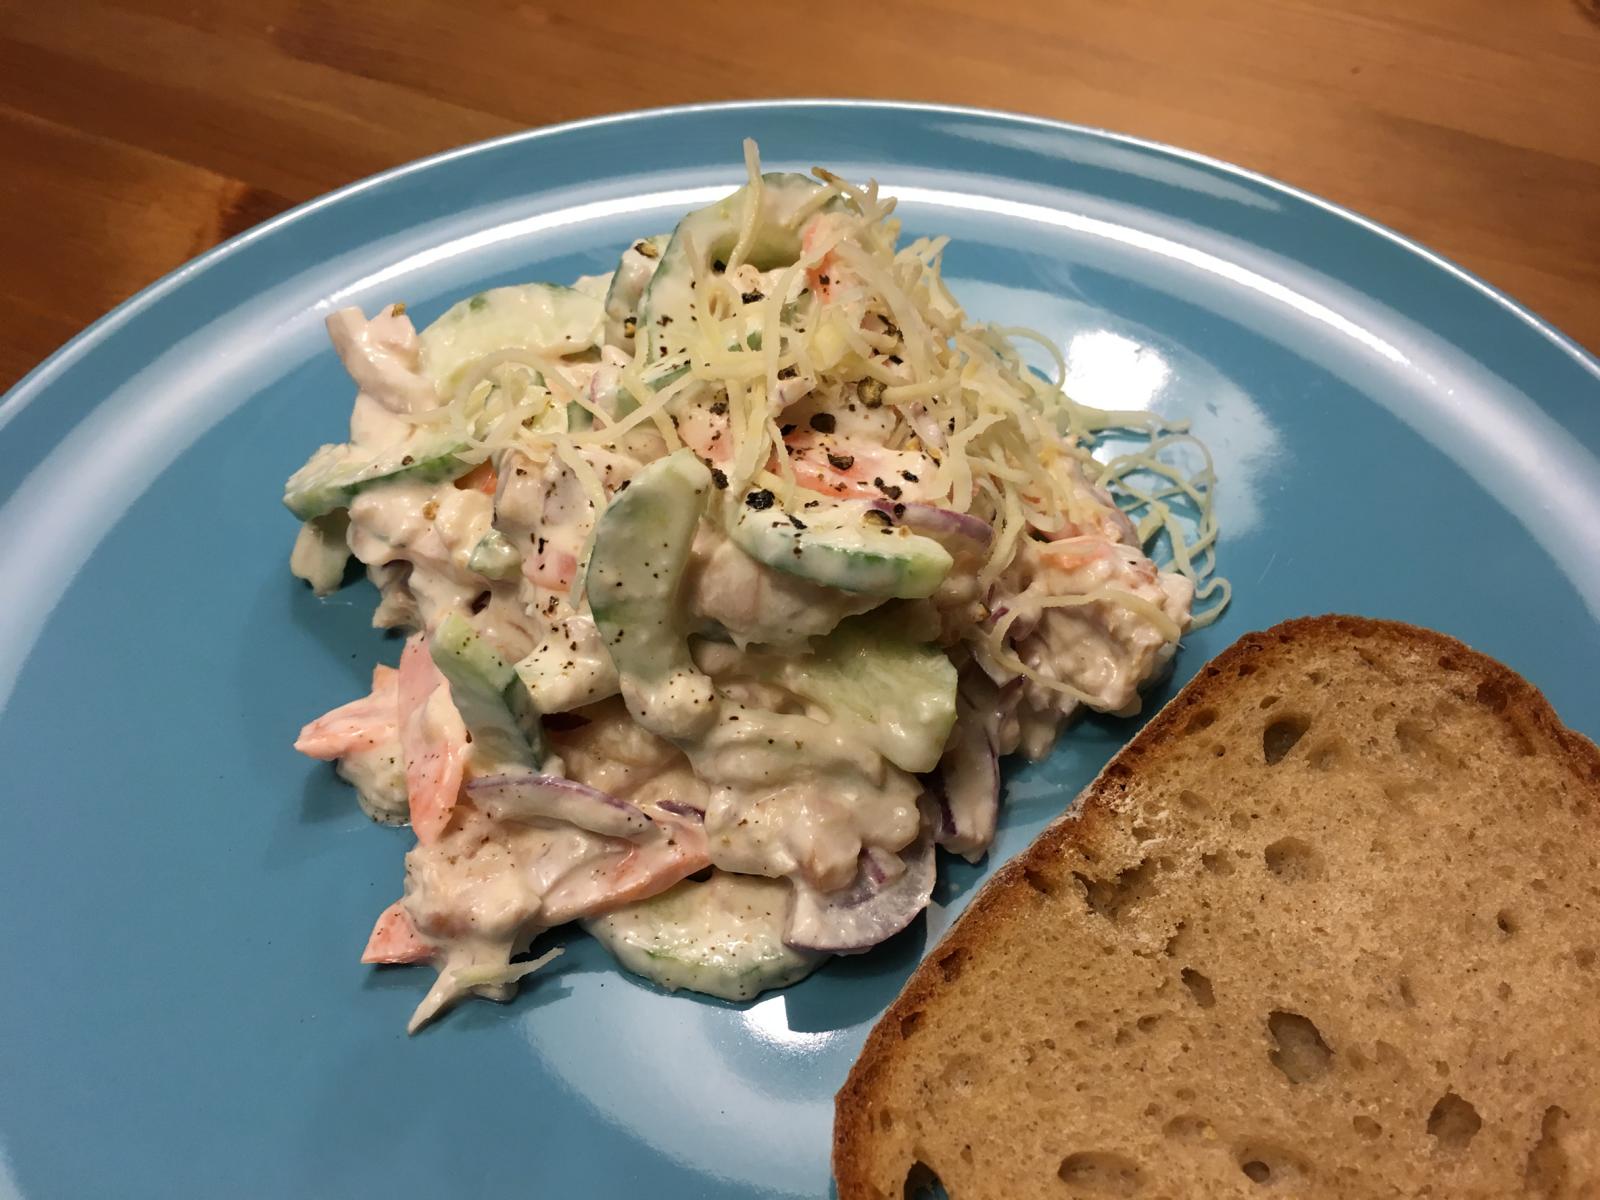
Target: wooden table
136	133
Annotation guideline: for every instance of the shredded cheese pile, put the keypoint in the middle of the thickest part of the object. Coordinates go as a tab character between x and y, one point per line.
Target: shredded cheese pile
857	314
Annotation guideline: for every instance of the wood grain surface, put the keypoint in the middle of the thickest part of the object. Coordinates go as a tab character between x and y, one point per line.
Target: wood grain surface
136	133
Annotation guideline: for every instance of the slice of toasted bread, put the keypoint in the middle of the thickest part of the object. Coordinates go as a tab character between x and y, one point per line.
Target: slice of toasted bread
1328	926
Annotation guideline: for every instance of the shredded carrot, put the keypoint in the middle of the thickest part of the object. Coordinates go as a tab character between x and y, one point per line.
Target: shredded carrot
481	477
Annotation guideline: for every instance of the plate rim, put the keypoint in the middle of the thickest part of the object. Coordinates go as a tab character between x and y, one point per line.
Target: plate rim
60	360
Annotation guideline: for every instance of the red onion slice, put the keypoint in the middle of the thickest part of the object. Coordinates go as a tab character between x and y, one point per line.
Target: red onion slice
992	704
679	809
1022	626
888	892
527	796
956	531
966	786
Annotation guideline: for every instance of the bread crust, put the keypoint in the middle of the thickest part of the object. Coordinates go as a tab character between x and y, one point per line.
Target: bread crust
1006	898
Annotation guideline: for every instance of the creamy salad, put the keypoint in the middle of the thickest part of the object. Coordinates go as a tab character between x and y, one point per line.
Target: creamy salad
727	579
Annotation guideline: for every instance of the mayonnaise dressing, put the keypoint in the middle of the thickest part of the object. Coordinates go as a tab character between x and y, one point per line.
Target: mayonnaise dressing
378	773
757	605
723	937
825	367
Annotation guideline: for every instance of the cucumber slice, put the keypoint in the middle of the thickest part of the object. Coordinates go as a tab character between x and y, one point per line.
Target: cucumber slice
494	557
844	547
493	703
633	274
641	546
334	475
321	551
541	317
656	376
897	694
713	232
536	316
723	937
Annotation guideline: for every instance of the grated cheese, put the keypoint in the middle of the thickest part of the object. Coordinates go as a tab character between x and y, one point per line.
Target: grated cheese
1004	443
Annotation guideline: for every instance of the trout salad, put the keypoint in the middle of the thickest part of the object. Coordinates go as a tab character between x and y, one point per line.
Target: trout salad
728	578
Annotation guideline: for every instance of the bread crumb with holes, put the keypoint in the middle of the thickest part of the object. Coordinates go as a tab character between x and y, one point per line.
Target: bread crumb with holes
1328	927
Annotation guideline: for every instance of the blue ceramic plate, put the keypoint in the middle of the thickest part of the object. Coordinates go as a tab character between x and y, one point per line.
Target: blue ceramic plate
184	898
